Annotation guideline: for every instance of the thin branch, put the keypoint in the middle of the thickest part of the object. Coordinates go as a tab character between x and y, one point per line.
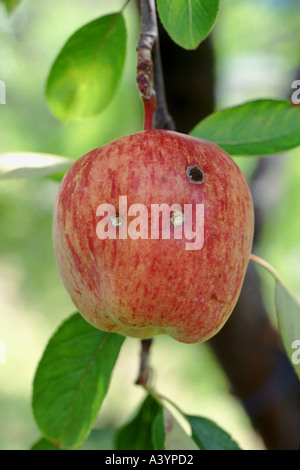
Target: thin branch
149	70
144	371
145	77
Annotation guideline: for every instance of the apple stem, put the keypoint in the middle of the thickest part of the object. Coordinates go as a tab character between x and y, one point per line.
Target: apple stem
149	70
144	371
149	109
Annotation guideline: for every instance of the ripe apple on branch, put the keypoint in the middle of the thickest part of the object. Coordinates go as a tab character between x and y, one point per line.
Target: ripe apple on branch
142	287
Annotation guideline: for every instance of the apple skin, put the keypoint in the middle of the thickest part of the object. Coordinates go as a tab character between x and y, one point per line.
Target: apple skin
146	287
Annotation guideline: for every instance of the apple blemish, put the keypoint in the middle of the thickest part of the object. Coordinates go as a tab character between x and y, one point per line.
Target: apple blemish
195	174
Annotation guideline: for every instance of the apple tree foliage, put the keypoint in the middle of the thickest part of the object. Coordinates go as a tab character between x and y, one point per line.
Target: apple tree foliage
10	4
74	374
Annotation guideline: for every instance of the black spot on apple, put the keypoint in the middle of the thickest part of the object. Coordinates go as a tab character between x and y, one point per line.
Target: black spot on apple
195	174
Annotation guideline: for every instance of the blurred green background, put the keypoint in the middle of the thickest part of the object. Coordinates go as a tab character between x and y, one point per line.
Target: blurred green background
257	53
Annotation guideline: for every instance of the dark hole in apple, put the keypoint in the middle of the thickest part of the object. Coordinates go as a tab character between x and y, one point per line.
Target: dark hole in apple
195	174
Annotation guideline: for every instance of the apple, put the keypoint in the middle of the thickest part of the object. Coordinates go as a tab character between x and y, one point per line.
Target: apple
122	275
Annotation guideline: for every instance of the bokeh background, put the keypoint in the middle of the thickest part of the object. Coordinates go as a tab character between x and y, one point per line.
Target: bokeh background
257	54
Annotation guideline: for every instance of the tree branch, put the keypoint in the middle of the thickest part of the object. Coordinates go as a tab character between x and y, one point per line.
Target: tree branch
145	77
144	373
149	70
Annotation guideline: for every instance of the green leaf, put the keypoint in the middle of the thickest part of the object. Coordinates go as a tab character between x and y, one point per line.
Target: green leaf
44	444
137	434
31	165
10	4
260	127
85	75
57	176
188	22
72	380
288	314
158	431
206	435
209	436
154	428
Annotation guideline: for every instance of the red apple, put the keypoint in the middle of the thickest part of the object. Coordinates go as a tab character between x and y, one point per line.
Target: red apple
143	287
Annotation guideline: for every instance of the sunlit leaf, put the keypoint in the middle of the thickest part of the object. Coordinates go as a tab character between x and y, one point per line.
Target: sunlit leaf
188	22
31	165
176	438
260	127
72	380
85	75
